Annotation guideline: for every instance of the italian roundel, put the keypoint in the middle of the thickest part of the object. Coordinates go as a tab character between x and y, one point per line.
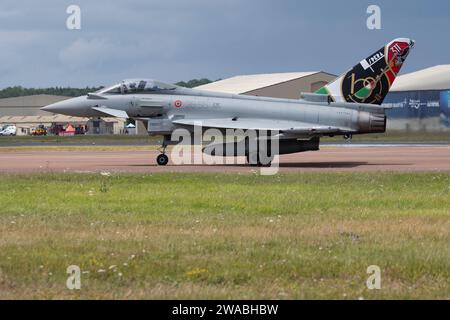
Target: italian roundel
178	104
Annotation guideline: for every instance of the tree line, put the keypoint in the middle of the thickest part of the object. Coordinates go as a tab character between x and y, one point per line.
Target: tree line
18	91
193	83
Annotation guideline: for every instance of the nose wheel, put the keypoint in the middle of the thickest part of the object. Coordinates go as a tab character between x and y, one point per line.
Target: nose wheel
162	159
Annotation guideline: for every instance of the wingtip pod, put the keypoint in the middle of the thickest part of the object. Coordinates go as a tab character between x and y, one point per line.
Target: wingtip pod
370	80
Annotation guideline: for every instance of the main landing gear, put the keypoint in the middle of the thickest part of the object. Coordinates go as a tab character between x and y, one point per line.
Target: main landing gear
254	159
163	159
348	136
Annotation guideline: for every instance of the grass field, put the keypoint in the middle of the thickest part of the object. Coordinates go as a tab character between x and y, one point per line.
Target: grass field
225	235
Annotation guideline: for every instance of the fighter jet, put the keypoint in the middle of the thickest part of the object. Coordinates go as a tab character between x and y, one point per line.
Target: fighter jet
349	105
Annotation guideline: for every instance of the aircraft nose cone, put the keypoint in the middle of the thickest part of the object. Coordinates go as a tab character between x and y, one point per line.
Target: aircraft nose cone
70	107
54	107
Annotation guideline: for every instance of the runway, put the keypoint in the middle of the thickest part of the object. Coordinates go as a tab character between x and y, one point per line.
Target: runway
329	159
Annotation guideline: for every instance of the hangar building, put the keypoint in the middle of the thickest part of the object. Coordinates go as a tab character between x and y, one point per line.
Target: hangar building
277	85
24	112
27	105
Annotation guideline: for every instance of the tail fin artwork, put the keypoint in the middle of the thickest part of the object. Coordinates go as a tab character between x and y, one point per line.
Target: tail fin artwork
370	80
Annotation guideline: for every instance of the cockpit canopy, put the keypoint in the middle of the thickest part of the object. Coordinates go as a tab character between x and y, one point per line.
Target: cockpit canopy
133	86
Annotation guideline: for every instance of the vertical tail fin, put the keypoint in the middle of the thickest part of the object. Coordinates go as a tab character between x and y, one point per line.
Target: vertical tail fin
370	80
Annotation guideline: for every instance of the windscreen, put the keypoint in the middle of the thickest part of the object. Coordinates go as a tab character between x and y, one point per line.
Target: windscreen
137	86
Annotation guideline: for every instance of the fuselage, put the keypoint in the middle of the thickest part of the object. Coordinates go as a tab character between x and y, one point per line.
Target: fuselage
196	104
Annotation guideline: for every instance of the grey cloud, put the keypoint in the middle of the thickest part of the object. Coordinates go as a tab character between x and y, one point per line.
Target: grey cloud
181	39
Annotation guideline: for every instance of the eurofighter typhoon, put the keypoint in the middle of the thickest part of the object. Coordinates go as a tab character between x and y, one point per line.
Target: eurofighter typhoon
349	105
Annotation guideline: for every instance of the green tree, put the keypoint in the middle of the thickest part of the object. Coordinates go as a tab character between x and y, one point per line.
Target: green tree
18	91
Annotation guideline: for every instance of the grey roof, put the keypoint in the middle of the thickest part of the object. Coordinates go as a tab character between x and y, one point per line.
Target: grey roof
246	83
434	78
31	101
49	119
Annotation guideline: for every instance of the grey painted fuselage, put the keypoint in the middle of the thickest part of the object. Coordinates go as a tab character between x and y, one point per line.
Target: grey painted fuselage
287	115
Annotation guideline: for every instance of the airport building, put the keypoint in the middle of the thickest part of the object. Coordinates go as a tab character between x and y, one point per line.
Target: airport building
24	112
420	100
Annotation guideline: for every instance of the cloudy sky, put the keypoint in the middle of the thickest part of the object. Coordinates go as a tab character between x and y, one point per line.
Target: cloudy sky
175	40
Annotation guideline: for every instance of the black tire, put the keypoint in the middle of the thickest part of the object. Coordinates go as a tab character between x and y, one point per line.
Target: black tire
162	160
252	164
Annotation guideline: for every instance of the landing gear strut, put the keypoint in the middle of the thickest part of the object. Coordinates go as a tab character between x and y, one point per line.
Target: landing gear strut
163	159
258	156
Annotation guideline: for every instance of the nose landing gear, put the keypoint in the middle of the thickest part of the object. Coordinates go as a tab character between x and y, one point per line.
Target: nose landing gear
163	159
